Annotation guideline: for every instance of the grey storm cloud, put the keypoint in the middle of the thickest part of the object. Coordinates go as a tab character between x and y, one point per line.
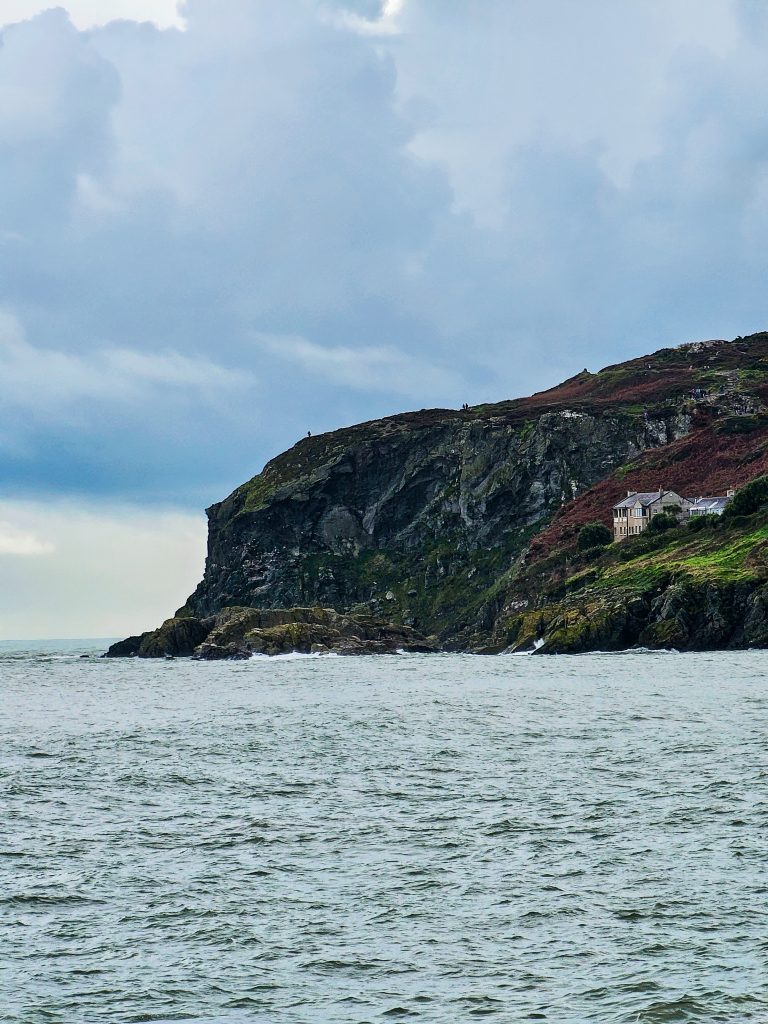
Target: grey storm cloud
292	216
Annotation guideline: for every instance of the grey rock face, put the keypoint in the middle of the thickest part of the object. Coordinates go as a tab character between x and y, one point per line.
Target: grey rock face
684	615
416	514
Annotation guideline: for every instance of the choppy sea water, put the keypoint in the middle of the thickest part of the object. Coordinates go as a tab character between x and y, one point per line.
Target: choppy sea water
348	840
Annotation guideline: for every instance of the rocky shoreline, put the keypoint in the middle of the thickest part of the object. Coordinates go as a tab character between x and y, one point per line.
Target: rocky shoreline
684	616
239	633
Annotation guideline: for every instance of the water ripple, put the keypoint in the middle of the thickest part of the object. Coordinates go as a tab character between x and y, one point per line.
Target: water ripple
436	839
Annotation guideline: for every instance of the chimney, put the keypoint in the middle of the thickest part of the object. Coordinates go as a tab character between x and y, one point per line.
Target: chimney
730	492
630	493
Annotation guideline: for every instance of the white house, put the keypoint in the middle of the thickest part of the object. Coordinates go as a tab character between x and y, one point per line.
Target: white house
714	506
633	514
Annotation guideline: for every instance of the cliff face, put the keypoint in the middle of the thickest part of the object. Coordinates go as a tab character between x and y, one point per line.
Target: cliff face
462	524
414	516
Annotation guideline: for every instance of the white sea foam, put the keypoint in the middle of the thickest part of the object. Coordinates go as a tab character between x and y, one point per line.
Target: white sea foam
525	654
293	656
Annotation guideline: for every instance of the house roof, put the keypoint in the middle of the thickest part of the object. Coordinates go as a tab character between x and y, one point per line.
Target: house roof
643	497
710	504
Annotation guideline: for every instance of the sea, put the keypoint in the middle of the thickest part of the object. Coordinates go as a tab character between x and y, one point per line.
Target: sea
426	838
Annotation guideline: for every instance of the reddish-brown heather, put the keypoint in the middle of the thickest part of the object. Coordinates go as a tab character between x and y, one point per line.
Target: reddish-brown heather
704	462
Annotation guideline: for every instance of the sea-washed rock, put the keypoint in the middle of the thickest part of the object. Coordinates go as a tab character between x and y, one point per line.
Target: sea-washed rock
246	631
238	633
128	648
177	637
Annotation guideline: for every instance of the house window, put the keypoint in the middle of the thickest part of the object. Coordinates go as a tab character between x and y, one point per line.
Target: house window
637	512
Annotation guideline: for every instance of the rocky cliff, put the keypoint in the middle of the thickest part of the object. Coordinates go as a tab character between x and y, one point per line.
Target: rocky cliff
434	519
689	589
415	516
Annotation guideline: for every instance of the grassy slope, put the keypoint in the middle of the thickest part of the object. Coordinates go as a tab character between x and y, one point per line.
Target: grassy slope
574	589
732	556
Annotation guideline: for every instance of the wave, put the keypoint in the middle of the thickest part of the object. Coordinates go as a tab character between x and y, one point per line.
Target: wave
293	656
593	654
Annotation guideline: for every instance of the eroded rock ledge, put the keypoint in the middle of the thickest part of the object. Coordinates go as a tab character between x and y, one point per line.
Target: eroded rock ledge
238	633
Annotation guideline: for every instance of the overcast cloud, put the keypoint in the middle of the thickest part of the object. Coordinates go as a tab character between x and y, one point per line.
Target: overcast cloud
73	569
250	218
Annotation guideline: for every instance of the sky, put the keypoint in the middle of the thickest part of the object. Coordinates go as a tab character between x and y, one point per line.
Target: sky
226	222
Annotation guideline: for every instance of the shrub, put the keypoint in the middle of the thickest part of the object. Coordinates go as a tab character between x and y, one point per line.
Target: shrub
733	522
696	523
663	521
593	535
748	499
739	424
633	547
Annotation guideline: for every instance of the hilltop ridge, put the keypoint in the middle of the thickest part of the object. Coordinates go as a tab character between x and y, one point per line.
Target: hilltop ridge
436	520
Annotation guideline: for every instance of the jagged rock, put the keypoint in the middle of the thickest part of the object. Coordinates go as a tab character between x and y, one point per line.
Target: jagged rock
756	619
242	632
685	615
177	637
238	633
128	648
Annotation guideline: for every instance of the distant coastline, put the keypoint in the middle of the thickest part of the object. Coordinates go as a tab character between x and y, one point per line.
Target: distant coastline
460	530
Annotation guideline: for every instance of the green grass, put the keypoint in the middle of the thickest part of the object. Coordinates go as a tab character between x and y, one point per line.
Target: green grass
729	561
717	556
590	606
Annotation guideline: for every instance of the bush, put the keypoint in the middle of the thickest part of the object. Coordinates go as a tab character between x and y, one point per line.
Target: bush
739	424
733	522
662	522
748	499
633	547
593	535
696	523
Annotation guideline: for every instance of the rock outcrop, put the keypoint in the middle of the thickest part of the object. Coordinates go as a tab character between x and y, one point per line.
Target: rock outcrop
686	617
238	633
